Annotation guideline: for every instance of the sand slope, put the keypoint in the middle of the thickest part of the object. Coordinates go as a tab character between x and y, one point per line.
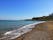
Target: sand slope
43	31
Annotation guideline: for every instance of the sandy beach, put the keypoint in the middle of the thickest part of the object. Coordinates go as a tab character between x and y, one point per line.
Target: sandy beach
42	31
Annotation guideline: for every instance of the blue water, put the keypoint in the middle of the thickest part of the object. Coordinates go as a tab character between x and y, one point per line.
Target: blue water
10	25
6	25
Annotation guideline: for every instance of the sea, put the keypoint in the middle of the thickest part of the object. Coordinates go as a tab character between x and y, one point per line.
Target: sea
9	25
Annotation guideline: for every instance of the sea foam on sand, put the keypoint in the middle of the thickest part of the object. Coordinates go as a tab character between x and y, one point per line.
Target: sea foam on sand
16	33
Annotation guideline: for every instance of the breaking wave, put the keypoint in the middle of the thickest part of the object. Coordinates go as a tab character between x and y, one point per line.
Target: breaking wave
18	32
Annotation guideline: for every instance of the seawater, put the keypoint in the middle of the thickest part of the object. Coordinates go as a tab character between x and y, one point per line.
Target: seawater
13	24
9	25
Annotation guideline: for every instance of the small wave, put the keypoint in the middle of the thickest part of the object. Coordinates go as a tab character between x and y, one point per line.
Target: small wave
16	33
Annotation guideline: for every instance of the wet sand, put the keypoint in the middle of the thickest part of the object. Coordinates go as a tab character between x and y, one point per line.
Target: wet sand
42	31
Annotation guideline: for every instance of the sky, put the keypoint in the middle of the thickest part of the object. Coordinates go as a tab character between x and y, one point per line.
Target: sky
24	9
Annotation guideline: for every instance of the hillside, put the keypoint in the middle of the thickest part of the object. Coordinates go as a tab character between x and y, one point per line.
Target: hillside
44	18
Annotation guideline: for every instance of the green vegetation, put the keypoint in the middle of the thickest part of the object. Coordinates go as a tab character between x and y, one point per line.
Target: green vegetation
44	18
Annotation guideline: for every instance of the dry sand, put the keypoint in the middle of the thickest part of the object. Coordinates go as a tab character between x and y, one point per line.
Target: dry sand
43	31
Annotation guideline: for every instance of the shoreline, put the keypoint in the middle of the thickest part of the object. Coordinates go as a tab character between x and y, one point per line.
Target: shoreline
21	31
42	31
30	28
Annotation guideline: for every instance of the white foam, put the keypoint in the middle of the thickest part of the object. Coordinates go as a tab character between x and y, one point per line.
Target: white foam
16	33
7	32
